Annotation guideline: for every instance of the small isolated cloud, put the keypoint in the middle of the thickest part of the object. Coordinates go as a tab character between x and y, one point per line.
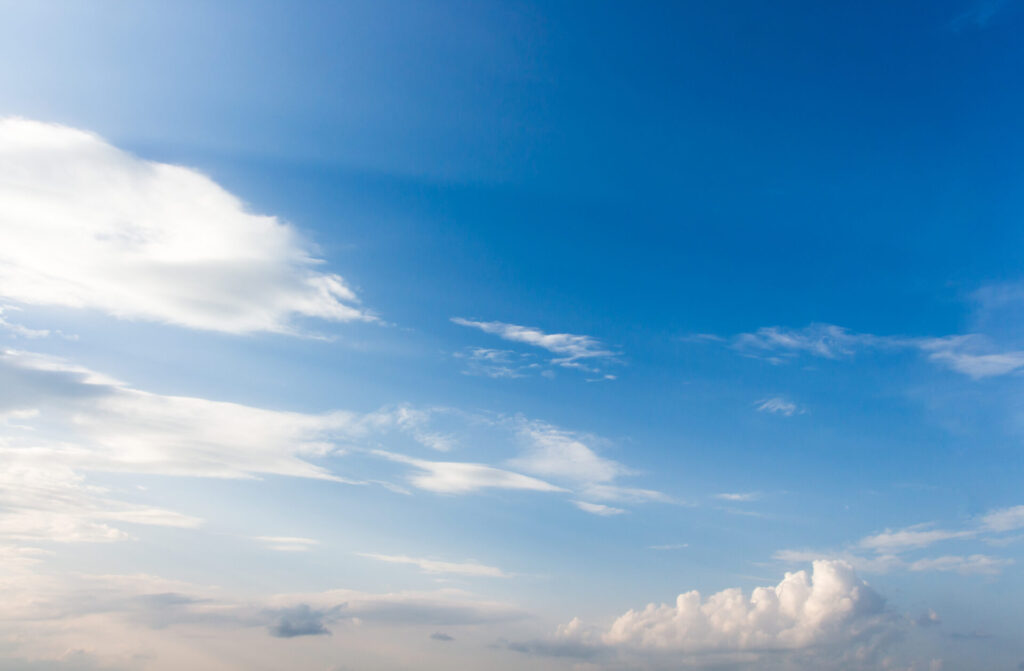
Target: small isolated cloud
581	352
469	568
300	620
441	636
287	543
778	406
670	546
738	497
598	508
86	225
929	618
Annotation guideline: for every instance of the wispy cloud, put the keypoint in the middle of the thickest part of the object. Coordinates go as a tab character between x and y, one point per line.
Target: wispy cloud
581	352
455	477
468	568
598	508
738	497
973	354
87	225
288	543
778	405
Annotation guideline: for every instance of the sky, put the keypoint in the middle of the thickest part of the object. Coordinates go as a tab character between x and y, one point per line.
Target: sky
569	336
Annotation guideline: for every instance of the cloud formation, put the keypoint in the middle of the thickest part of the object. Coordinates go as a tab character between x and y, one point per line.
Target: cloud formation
87	225
468	568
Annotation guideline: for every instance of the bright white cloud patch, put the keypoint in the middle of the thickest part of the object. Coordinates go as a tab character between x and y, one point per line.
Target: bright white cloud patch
1005	519
567	345
287	543
87	225
832	605
469	568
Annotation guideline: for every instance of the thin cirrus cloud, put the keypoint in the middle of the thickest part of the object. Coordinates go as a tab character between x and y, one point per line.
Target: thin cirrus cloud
581	352
893	549
88	225
598	509
468	568
287	543
778	405
456	477
973	355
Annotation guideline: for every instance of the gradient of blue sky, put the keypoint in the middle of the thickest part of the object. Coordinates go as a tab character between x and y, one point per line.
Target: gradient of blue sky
711	290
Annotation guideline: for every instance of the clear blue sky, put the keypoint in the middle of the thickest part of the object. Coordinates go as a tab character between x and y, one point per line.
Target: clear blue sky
433	326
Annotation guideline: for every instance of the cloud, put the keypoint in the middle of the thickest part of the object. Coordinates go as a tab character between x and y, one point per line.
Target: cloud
972	564
553	452
440	636
300	620
1004	519
580	352
567	345
911	538
739	497
598	508
801	611
87	225
287	543
778	406
971	354
670	546
454	477
831	612
469	568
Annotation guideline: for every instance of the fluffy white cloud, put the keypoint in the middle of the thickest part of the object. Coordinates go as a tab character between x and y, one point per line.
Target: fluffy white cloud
469	568
87	225
831	605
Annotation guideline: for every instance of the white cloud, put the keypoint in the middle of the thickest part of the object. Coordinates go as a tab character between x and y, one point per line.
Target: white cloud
976	563
1005	519
553	452
87	225
824	340
43	500
455	477
567	345
831	607
287	543
598	508
738	497
469	568
778	406
911	538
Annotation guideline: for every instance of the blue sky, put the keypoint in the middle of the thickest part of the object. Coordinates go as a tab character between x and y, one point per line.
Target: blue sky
396	335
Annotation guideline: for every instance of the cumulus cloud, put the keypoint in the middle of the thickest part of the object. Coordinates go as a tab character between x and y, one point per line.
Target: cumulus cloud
831	610
832	604
469	568
87	225
300	620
